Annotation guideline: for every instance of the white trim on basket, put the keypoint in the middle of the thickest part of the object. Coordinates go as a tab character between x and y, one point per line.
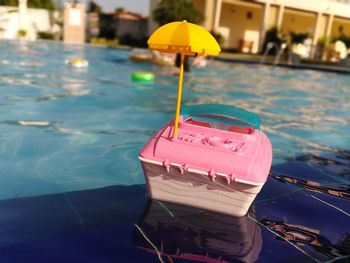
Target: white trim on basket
191	170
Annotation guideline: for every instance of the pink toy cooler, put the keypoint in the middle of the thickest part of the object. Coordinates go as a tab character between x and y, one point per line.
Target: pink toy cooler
219	161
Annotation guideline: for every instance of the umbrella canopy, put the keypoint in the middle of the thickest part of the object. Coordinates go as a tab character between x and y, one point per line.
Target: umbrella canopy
184	37
187	39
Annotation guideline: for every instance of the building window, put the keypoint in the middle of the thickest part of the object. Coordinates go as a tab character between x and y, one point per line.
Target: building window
249	15
340	29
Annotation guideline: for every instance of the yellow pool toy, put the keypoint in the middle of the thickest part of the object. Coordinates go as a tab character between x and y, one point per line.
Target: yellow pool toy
77	62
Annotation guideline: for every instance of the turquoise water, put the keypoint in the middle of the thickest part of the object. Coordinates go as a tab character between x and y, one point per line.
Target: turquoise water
67	129
97	119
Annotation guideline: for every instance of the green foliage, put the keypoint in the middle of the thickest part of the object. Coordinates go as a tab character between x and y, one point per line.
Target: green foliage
273	35
298	38
113	43
119	9
9	2
94	8
98	41
324	41
45	35
44	4
218	37
22	33
177	10
104	42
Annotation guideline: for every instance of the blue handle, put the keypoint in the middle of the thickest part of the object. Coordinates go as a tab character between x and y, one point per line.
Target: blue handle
220	110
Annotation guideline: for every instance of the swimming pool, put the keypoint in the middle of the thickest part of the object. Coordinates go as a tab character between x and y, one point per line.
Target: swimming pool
69	133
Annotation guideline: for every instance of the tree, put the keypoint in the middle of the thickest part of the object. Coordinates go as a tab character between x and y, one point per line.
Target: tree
273	35
94	8
44	4
119	9
298	38
9	2
177	10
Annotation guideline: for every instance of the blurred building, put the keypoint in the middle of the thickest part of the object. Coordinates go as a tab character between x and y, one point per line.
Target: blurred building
107	26
23	22
74	23
243	23
128	23
93	29
121	24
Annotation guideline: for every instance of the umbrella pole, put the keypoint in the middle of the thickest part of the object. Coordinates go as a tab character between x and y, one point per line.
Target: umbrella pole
179	95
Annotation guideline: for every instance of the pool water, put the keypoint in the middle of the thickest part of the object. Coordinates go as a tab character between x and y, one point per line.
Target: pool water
71	181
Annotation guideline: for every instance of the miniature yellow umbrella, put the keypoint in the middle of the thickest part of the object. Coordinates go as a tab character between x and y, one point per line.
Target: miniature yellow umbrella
188	39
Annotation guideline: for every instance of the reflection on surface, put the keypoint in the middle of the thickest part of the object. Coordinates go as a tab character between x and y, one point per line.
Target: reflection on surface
306	205
75	88
330	169
313	172
90	226
342	191
302	235
29	219
178	231
337	163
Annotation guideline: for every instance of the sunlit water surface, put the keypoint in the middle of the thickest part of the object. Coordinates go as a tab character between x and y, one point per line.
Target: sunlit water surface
66	129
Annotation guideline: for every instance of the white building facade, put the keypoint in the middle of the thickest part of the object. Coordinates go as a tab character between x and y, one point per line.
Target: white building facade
23	22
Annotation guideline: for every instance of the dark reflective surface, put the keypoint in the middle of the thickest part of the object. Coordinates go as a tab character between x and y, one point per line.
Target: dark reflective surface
181	232
83	226
293	219
306	205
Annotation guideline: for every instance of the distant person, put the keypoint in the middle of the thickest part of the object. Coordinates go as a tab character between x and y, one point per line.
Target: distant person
163	59
199	62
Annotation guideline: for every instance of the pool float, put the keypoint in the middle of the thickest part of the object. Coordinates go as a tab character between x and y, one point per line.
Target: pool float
139	58
143	76
77	62
163	59
159	61
157	58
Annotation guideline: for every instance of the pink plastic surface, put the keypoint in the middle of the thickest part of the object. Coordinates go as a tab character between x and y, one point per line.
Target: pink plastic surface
243	156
